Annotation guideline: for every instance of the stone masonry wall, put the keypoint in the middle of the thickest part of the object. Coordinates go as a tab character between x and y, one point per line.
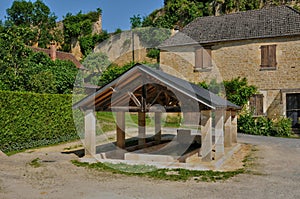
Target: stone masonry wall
243	59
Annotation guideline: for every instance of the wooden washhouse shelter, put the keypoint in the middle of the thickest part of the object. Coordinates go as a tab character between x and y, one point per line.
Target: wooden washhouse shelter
143	89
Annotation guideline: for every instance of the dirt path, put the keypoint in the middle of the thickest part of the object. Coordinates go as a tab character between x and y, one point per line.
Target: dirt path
277	175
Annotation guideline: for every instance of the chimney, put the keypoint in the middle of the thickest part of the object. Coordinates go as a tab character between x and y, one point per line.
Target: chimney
53	51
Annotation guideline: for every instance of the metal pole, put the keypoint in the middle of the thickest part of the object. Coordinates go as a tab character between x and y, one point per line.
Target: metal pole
132	37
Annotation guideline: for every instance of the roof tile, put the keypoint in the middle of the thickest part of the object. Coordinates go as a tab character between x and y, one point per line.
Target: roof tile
263	23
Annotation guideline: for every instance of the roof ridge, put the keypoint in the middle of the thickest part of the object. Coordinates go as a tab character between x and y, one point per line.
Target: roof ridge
58	51
293	9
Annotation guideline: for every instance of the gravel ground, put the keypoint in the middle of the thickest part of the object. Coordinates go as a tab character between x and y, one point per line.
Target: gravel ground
276	174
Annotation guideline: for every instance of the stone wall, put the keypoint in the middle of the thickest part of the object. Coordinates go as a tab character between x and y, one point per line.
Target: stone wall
119	49
243	59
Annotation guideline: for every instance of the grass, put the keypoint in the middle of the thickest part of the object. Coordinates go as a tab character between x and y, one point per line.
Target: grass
249	164
160	174
107	121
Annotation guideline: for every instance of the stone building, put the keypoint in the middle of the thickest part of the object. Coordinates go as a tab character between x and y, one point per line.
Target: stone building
261	45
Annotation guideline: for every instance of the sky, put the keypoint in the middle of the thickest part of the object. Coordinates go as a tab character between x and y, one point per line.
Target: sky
115	13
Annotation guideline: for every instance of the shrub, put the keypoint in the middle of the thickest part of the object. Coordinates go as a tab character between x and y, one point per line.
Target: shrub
282	127
246	123
32	120
264	126
238	91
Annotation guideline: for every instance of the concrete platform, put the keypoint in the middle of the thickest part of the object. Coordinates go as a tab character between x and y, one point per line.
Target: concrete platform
192	162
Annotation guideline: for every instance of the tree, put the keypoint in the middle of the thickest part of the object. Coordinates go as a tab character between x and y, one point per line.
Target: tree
113	72
88	42
21	69
151	38
13	61
181	12
36	16
238	91
178	13
79	27
96	63
136	21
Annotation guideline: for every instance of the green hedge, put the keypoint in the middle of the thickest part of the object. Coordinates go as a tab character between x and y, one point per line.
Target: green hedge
32	120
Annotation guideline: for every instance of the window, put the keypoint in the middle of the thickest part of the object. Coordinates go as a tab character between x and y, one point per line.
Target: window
293	108
203	58
256	104
268	57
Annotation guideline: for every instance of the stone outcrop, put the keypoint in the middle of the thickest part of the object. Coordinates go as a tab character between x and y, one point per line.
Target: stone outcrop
75	48
119	49
97	26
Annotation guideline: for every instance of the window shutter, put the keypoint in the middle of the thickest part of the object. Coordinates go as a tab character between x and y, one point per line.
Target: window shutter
256	104
272	56
268	56
207	58
199	58
259	104
264	56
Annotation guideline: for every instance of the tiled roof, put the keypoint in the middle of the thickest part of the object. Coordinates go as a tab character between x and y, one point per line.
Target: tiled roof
264	23
61	56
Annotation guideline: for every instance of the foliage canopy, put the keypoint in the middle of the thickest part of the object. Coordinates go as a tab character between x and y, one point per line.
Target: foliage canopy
237	90
21	69
36	17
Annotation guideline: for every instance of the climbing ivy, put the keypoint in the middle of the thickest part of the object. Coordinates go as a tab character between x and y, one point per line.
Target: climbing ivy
88	42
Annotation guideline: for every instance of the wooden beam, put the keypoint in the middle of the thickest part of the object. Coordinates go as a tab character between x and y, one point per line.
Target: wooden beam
206	135
90	132
124	109
219	132
120	117
134	99
142	128
156	97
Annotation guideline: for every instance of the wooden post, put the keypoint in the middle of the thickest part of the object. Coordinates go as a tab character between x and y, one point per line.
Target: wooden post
227	132
142	128
90	132
120	117
157	136
219	132
234	126
206	135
